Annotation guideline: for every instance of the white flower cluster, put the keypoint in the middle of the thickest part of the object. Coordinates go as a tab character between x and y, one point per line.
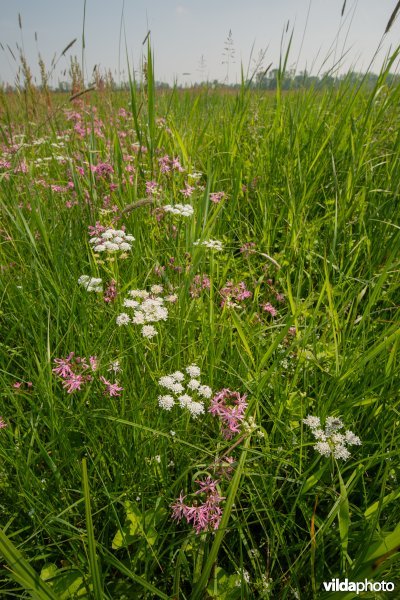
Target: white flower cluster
183	210
148	307
178	384
91	284
112	240
212	244
330	440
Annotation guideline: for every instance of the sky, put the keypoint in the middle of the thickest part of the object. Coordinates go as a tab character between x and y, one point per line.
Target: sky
188	37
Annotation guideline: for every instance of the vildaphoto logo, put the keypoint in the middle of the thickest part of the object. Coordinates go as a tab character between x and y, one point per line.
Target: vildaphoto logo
337	585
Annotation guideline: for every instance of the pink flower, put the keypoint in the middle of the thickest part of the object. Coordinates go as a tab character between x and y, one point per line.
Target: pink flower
64	366
270	309
17	385
111	292
230	407
209	486
199	283
248	248
152	188
205	516
231	292
112	389
188	191
73	382
159	270
96	230
164	163
3	424
177	165
216	197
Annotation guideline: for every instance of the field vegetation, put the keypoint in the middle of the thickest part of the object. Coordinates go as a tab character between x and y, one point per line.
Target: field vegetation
199	355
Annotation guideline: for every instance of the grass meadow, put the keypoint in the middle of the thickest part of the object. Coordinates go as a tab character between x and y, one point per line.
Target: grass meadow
199	342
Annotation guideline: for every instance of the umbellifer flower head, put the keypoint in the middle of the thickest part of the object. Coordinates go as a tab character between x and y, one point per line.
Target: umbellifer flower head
331	442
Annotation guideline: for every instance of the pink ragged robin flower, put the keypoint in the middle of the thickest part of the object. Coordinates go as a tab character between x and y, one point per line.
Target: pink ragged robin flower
72	370
96	230
231	293
205	516
164	164
267	307
111	292
176	165
74	382
112	389
64	366
216	197
188	191
248	248
152	188
3	424
199	283
230	407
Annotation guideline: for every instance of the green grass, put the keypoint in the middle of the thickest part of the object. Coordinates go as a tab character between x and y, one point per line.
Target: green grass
312	179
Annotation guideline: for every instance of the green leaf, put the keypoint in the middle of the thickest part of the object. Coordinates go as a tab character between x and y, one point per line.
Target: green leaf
22	572
126	535
371	510
69	584
224	586
93	558
138	525
313	480
344	520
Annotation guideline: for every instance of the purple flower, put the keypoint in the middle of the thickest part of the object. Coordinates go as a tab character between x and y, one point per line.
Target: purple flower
205	516
230	407
270	309
152	188
231	292
188	191
64	366
111	292
73	382
216	197
112	389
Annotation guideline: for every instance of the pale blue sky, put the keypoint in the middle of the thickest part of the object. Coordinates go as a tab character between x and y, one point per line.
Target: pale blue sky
184	30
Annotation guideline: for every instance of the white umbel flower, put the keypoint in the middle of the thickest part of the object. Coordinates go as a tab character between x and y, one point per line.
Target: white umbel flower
195	408
193	371
148	331
185	400
193	384
166	402
112	240
313	422
91	284
156	289
182	210
123	319
330	441
211	244
205	391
